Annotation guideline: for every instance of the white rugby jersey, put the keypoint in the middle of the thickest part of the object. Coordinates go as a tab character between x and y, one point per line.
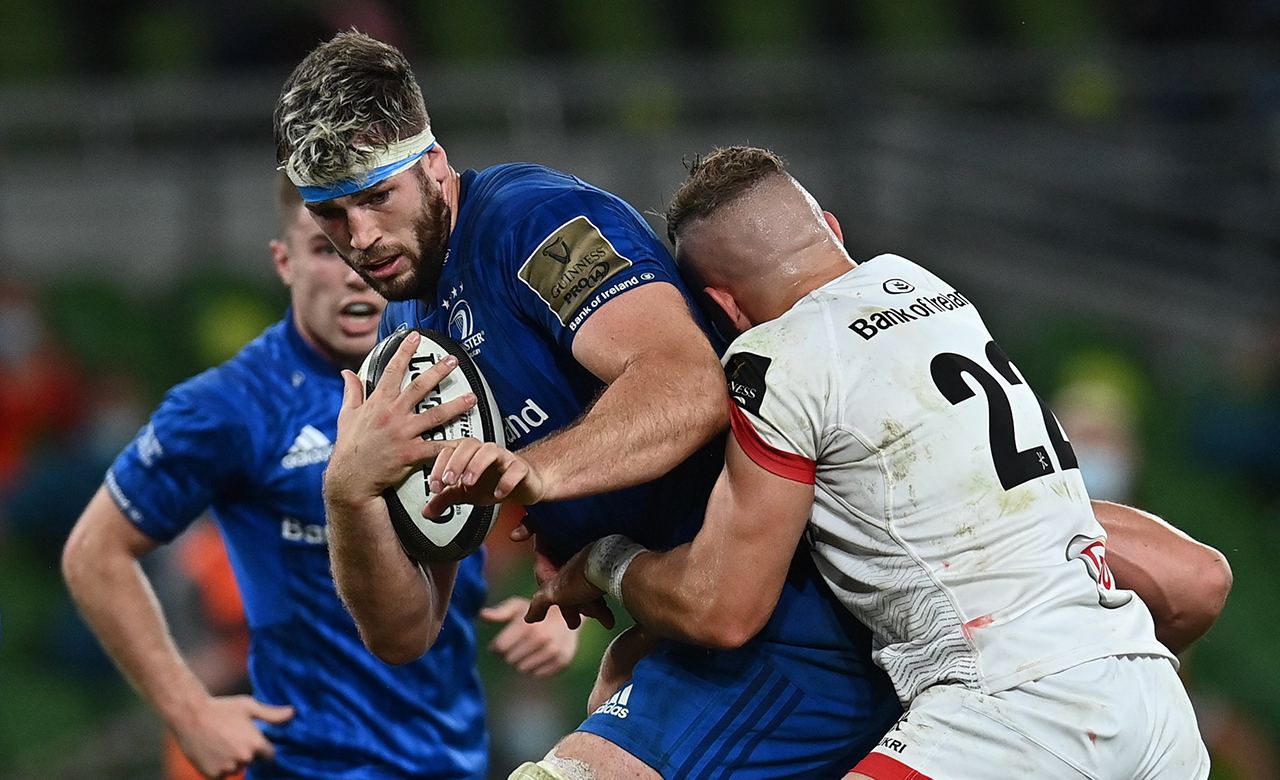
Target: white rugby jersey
949	514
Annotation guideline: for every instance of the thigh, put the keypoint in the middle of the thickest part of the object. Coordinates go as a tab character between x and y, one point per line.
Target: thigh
606	760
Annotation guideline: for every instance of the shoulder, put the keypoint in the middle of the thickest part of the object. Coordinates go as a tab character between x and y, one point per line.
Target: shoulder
791	355
792	336
535	201
895	275
247	380
521	182
503	194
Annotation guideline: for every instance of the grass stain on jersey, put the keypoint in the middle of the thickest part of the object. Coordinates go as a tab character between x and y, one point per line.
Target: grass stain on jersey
1015	501
898	439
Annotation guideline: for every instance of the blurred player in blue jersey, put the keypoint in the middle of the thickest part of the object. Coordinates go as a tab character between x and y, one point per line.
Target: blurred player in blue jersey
612	393
250	439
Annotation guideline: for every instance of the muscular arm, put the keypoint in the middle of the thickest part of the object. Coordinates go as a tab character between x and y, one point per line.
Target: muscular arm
100	565
665	398
720	589
398	605
1183	582
698	591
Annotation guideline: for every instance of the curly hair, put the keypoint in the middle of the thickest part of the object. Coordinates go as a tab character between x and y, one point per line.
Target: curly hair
349	94
717	180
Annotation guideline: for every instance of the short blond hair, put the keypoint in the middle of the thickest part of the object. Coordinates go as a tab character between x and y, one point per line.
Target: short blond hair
349	94
717	180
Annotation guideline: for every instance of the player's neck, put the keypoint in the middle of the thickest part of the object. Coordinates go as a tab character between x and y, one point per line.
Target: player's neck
338	359
792	287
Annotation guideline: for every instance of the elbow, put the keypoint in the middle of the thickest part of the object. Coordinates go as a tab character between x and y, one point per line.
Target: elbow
715	407
726	627
75	562
1220	581
704	396
395	656
394	650
726	636
1195	613
1216	580
394	640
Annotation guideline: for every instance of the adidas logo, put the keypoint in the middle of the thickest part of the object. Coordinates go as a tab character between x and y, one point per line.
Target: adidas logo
310	447
617	703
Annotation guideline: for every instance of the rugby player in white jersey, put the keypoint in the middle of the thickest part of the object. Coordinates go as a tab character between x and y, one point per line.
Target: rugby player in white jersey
875	419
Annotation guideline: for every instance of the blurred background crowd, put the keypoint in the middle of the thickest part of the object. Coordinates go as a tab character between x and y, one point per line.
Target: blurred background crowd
1101	178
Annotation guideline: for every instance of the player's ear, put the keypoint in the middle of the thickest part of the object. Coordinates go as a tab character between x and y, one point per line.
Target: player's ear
280	257
725	300
833	224
436	163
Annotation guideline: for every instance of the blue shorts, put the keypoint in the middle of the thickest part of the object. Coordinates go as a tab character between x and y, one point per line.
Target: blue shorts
770	709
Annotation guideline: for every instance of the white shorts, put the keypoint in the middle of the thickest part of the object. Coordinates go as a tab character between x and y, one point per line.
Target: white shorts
1115	718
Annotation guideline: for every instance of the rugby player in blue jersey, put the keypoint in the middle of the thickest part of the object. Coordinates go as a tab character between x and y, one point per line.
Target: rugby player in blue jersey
250	439
612	395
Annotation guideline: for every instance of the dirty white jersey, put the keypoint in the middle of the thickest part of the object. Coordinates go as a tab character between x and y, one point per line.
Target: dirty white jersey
949	514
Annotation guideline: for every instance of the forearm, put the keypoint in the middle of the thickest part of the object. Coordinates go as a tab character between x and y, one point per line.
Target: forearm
398	606
1182	581
652	416
120	606
688	595
718	590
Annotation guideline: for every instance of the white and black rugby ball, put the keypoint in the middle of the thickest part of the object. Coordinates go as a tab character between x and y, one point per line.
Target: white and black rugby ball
463	527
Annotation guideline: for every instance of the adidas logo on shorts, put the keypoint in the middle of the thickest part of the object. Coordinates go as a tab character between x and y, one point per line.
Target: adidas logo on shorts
617	703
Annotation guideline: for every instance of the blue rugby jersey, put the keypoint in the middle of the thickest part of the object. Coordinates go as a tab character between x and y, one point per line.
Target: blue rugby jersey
250	439
533	254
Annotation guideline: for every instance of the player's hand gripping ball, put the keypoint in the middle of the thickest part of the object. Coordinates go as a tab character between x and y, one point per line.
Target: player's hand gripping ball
462	529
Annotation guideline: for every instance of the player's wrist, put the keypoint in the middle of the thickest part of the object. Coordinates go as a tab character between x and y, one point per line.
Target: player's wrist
533	486
540	478
607	563
182	702
338	489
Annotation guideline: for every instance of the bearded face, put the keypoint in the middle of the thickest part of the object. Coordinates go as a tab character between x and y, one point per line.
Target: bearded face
423	247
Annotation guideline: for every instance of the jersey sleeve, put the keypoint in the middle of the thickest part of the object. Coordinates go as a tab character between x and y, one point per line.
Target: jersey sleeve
777	391
576	252
189	454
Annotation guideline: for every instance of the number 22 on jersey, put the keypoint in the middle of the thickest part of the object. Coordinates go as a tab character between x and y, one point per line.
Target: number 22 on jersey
1013	466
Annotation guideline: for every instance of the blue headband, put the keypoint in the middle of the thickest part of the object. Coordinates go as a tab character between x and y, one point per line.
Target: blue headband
389	161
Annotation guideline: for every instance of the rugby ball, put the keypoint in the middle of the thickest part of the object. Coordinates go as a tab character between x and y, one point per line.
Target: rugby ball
462	529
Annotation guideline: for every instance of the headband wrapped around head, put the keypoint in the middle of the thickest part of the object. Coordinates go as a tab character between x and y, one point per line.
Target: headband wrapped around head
388	160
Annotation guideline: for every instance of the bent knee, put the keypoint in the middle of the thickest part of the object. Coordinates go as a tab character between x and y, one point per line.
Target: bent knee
586	756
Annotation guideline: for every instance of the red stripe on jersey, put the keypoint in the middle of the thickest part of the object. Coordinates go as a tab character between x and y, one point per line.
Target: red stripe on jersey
883	767
787	465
